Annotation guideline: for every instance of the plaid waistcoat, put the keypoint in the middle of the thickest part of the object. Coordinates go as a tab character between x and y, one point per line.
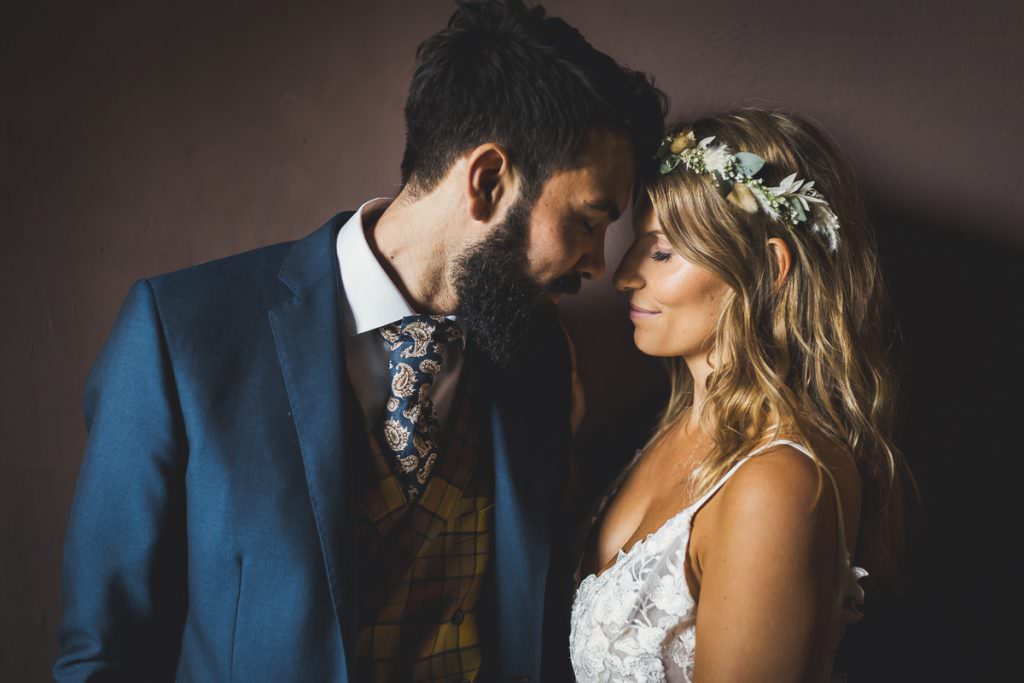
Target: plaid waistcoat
422	564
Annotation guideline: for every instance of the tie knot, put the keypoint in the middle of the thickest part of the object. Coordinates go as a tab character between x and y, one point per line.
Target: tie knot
419	335
422	328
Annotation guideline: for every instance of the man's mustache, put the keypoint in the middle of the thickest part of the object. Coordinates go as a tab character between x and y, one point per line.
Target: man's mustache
569	283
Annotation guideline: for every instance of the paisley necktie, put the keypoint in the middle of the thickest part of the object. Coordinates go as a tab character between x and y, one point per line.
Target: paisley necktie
417	344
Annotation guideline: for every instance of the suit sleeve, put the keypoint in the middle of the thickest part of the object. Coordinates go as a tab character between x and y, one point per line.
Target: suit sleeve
124	588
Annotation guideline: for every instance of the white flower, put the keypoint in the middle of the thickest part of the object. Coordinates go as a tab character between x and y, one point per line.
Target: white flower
761	195
649	638
615	603
789	185
668	595
681	648
648	669
717	158
591	653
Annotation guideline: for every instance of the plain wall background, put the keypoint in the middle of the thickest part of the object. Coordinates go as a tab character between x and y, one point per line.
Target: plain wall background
142	137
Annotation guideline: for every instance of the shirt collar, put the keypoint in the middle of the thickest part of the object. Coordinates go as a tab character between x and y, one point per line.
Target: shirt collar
373	299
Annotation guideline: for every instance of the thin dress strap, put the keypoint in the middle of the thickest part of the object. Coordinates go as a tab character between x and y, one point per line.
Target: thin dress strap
835	490
806	451
842	553
699	503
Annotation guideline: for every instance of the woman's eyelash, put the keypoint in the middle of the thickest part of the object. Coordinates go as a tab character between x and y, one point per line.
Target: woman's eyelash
661	255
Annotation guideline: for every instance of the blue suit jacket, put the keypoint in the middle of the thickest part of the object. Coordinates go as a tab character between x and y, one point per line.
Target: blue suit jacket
212	532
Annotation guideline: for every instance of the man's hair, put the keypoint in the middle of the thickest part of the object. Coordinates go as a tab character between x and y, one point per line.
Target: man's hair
501	72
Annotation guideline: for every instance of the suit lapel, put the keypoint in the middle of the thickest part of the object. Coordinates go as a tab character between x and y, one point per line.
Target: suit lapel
308	334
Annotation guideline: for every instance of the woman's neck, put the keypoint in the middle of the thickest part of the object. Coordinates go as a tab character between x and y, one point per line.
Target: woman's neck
700	369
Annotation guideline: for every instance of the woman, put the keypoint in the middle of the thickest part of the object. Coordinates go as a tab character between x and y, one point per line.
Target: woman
753	273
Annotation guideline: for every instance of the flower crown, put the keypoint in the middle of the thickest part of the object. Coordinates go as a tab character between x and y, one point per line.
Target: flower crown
792	201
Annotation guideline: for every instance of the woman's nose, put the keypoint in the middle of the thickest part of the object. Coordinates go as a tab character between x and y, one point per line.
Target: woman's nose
627	275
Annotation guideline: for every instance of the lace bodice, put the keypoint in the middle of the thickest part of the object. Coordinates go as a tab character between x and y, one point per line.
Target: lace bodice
636	620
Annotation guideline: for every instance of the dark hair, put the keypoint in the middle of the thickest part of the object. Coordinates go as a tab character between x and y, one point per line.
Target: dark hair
501	72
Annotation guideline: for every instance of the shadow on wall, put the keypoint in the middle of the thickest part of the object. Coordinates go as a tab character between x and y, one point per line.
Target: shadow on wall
954	293
956	352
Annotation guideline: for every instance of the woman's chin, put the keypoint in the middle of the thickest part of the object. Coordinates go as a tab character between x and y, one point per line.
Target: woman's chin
651	347
644	345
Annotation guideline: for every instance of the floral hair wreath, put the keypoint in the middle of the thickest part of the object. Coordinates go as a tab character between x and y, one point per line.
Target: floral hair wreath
792	201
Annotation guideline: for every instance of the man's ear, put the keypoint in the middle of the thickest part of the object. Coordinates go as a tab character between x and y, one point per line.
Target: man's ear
779	250
489	177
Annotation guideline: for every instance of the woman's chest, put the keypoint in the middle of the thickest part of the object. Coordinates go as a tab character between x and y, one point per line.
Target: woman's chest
646	500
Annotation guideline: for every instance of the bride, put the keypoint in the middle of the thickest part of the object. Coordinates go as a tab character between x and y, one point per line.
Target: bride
724	553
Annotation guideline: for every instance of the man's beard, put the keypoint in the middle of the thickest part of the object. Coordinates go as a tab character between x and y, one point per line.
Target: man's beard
497	297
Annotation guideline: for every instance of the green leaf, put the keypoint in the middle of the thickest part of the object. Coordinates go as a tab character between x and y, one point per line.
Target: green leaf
798	211
750	163
668	164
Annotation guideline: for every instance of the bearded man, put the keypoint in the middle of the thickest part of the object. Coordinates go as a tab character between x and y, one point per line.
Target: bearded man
342	458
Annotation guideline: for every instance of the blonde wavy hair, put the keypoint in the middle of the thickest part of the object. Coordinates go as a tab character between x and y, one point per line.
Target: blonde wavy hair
803	359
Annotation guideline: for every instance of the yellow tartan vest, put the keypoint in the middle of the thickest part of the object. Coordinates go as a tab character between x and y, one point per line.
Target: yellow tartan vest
422	564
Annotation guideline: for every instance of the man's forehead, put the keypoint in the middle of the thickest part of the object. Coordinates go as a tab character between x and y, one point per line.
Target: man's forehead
602	146
588	191
601	179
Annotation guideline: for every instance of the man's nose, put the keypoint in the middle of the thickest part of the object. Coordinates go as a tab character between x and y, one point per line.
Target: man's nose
591	264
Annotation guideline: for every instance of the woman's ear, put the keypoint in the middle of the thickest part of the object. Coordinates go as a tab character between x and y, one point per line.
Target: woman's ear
779	251
488	177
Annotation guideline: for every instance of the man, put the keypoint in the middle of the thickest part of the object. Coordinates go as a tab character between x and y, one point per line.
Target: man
341	459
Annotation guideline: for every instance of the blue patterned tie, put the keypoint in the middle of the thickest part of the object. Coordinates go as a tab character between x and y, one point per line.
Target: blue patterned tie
410	427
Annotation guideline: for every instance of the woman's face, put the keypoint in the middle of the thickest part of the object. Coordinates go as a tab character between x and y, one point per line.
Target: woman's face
674	303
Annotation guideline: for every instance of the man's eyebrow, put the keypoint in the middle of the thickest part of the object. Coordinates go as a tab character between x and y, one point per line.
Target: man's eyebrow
607	206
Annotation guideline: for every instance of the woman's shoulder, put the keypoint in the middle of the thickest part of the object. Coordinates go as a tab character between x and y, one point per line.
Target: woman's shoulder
779	477
783	490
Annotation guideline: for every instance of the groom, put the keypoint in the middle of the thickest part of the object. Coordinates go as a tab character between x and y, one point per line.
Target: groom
342	458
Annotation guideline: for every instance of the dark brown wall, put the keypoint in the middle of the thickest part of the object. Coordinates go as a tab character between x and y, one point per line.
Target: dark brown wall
148	136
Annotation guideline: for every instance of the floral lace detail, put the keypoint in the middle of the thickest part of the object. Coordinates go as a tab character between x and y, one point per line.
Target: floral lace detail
636	620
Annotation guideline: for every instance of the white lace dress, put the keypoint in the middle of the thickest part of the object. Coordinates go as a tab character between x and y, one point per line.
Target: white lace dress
636	620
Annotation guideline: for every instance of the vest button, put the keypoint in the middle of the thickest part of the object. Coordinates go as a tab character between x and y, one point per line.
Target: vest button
458	617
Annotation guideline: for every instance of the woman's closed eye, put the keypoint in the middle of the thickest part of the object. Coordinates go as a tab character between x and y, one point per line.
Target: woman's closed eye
661	255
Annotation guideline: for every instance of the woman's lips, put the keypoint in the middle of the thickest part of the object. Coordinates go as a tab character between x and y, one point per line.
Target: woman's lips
635	312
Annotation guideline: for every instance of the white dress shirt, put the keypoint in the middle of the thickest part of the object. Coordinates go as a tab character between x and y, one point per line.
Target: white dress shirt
371	301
